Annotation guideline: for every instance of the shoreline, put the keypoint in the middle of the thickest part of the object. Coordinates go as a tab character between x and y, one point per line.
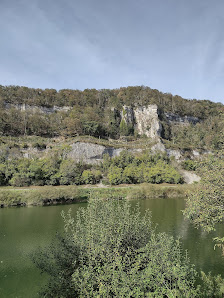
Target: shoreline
56	195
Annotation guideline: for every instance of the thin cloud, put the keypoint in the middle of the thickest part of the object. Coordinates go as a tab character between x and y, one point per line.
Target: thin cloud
173	46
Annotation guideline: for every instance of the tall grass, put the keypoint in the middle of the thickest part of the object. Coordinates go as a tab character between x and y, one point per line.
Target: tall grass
49	195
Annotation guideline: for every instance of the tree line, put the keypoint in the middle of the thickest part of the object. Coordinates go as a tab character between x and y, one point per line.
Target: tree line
55	170
97	113
130	96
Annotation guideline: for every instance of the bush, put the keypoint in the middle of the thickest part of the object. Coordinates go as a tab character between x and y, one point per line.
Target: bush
19	179
115	175
113	251
189	165
70	173
39	146
88	177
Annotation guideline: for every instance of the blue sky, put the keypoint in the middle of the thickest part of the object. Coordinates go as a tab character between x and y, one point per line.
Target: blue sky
174	46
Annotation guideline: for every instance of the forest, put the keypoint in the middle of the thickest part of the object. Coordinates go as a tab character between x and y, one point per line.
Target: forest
97	113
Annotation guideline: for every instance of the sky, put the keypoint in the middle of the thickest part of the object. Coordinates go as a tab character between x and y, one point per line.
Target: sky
175	46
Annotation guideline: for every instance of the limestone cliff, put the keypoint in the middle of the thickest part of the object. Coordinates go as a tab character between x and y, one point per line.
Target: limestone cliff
93	153
127	114
34	109
145	120
174	118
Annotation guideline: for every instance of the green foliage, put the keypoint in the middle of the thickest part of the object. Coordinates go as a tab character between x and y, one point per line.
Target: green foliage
106	162
205	205
112	251
56	169
2	174
88	177
133	174
127	168
70	172
9	198
149	191
98	113
67	194
116	98
206	134
60	263
19	179
114	175
46	195
189	165
162	172
212	286
125	129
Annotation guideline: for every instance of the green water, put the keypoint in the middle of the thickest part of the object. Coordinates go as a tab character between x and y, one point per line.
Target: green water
24	229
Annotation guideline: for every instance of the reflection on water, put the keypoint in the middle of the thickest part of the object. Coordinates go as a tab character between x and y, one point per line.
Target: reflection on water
24	229
167	214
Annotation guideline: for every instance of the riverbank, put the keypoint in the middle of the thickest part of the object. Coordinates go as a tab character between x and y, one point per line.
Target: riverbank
53	195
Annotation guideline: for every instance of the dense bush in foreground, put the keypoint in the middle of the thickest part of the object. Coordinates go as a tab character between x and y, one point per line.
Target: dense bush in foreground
113	251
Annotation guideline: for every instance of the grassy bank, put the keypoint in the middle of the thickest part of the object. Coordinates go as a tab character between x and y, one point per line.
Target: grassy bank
49	195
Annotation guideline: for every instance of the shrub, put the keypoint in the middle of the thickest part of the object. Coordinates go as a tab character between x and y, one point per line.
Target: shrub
115	175
113	251
70	172
88	177
39	146
19	179
189	165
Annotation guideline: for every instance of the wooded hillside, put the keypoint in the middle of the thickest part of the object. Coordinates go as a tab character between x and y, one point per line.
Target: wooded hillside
98	113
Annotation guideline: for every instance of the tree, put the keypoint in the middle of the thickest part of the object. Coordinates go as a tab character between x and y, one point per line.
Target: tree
205	206
70	172
115	175
113	251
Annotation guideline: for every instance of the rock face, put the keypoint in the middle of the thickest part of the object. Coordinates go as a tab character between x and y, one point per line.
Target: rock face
147	121
93	153
158	148
177	154
41	109
178	119
127	114
189	177
90	153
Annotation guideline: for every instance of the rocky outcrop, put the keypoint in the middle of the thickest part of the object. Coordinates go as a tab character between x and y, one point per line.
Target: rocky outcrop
127	114
90	153
158	148
34	109
145	120
177	154
173	118
189	177
93	153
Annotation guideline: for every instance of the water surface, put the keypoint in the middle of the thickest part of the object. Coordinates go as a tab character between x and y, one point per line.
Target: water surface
24	229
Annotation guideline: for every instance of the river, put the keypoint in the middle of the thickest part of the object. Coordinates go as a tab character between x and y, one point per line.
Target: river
22	230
